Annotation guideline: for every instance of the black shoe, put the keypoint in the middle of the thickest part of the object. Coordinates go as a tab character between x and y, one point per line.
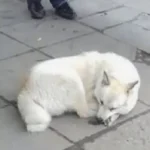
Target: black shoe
66	11
37	11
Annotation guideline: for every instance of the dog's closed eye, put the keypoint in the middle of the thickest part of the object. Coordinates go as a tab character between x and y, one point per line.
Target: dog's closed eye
111	109
101	102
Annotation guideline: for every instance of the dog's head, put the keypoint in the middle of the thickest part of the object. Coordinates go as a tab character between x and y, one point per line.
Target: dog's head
111	94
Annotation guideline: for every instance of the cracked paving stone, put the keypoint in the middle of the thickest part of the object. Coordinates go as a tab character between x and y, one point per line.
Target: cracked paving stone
131	34
111	18
39	33
144	71
13	71
10	47
14	136
131	135
77	129
95	41
84	8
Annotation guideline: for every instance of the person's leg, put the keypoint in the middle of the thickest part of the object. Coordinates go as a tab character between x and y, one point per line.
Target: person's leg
63	9
57	3
36	9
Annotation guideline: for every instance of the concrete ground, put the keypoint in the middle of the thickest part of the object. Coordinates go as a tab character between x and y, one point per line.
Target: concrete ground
121	26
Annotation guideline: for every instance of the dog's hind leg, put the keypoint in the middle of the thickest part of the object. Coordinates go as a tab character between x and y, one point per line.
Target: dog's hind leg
38	122
36	118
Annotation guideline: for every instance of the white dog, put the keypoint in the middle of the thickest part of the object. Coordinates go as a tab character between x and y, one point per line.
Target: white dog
90	84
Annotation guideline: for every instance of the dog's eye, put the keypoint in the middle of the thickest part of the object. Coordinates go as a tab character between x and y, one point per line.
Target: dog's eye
111	109
101	102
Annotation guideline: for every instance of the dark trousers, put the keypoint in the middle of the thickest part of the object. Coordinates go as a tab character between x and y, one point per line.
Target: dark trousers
55	3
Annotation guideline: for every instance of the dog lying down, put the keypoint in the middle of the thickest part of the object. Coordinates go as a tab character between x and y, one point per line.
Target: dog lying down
92	84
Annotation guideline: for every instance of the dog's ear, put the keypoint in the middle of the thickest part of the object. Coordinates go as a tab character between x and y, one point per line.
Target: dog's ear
105	80
131	85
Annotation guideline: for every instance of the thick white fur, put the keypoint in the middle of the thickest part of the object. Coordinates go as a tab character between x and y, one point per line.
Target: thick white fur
70	84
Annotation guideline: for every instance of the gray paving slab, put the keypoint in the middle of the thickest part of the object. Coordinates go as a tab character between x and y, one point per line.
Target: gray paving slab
78	129
88	7
142	5
110	18
144	71
143	20
13	12
9	47
95	41
14	136
45	32
131	34
13	71
121	1
134	134
74	127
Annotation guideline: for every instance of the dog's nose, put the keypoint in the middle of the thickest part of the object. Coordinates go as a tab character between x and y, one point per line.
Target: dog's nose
96	121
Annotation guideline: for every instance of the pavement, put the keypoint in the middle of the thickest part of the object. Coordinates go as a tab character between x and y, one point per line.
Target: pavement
121	26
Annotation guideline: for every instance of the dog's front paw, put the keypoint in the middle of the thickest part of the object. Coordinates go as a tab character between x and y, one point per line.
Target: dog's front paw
108	122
